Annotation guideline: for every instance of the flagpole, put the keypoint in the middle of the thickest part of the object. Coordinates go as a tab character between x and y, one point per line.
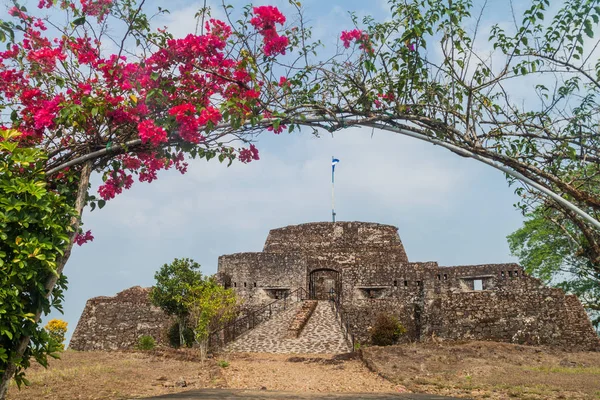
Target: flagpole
332	189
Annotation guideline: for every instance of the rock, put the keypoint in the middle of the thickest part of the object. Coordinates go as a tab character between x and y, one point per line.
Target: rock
181	383
161	378
263	388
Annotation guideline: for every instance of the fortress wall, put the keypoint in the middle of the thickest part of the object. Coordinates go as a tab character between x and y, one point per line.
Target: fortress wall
112	323
386	278
325	236
361	315
459	278
525	312
254	275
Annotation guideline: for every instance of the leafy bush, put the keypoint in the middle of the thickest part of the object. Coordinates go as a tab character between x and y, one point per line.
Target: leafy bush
146	342
386	330
223	363
173	336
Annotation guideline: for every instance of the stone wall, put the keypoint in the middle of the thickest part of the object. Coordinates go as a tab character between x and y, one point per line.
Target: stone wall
112	323
259	278
373	275
512	308
325	236
523	312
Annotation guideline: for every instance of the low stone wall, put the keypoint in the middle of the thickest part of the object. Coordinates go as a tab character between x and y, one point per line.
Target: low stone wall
302	316
114	323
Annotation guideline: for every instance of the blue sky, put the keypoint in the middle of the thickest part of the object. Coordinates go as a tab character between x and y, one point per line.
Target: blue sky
448	209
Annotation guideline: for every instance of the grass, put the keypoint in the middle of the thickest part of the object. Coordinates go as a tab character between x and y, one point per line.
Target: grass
482	370
223	363
113	375
565	370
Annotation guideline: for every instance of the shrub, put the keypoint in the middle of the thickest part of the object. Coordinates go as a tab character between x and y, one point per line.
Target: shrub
223	363
57	328
146	342
173	336
386	330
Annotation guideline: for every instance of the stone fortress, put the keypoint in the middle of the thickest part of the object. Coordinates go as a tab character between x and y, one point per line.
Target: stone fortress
366	265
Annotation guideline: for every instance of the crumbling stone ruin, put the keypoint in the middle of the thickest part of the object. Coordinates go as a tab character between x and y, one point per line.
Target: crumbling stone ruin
366	265
117	322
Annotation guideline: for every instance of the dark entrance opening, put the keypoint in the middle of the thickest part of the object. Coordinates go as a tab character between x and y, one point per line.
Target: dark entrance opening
323	282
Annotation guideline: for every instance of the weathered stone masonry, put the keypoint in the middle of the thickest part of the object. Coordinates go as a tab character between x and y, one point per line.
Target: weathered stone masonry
367	265
111	323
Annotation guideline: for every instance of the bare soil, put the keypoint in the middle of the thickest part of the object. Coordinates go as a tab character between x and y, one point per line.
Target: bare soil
303	373
118	375
488	370
478	370
123	375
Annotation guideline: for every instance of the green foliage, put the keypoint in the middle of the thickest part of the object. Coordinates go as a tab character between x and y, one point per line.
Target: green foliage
552	249
386	330
210	305
172	290
223	363
172	286
146	342
34	232
174	337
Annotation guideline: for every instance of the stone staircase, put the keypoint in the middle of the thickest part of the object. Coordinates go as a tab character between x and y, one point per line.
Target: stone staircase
321	334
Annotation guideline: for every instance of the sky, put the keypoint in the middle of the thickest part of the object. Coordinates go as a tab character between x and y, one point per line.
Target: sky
448	209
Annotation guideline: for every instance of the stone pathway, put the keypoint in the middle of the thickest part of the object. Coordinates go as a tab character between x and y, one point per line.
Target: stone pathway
322	334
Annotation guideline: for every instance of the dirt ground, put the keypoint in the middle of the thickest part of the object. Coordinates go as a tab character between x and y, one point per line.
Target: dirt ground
308	373
478	370
117	375
489	370
121	375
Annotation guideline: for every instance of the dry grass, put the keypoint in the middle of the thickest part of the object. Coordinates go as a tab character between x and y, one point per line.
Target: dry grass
479	370
117	375
120	375
488	370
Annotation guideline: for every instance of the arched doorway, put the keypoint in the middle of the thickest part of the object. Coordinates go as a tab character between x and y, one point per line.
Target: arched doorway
322	282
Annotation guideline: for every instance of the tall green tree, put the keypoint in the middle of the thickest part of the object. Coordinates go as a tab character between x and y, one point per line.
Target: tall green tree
175	283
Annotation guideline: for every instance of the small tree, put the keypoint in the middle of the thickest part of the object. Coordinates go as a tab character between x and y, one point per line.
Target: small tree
172	290
57	329
210	305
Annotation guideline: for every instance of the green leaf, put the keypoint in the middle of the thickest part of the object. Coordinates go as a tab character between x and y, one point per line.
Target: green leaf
588	28
79	21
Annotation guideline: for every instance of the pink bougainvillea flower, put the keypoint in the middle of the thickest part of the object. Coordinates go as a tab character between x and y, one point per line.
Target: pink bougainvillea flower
265	19
81	239
359	36
247	155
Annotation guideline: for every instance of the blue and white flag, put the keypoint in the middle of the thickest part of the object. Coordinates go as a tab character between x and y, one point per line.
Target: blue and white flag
333	162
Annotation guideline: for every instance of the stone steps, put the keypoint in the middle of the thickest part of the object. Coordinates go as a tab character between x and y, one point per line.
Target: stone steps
321	334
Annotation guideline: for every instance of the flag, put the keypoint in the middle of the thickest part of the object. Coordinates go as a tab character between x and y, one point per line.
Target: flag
333	162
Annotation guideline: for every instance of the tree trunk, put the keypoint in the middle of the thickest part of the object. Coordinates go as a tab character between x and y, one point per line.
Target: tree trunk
181	327
23	342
